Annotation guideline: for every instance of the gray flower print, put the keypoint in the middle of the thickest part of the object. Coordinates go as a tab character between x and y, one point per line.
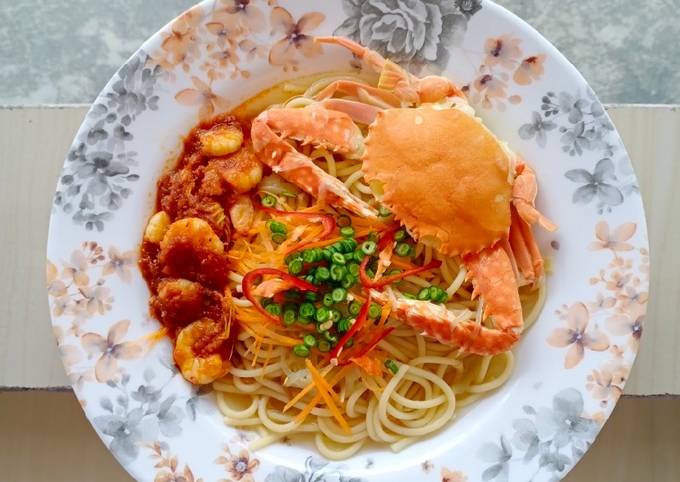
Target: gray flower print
540	438
127	431
537	129
316	470
135	416
418	34
98	171
599	184
499	456
564	423
580	119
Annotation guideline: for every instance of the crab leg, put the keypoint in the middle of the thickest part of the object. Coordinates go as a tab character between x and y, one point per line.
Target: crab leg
407	87
357	111
445	326
317	125
382	97
494	279
524	191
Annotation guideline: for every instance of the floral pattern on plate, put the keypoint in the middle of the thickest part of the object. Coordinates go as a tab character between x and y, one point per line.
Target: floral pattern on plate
205	62
417	34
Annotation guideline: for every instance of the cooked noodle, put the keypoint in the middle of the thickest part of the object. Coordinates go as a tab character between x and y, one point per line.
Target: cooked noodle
433	381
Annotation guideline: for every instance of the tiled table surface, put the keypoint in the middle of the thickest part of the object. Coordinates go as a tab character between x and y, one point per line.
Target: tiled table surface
63	52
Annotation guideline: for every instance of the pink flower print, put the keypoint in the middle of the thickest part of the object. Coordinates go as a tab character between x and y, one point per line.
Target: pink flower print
629	324
615	241
576	337
120	263
110	350
202	96
529	70
296	37
504	51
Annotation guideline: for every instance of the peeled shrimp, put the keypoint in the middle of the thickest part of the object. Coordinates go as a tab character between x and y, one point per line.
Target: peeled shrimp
202	352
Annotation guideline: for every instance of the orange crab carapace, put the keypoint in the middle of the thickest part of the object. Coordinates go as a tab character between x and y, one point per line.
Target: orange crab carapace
446	178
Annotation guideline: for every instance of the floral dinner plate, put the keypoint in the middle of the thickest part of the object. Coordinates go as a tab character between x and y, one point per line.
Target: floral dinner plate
571	366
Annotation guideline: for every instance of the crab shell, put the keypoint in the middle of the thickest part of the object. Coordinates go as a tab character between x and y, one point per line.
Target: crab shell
444	175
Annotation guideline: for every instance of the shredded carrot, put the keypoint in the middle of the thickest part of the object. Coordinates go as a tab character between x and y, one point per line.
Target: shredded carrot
155	337
326	242
304	413
368	364
269	356
321	385
256	353
400	263
271	336
384	314
304	392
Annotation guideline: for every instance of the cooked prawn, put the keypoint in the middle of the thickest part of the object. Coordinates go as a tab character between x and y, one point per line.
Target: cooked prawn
190	249
202	351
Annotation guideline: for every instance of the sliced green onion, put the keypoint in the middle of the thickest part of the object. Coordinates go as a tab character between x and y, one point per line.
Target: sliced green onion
400	235
310	296
374	310
277	227
307	310
295	266
402	249
339	295
348	245
322	274
322	314
359	256
324	327
349	343
269	201
409	296
266	301
327	299
354	308
391	366
353	269
323	346
326	254
338	272
308	256
368	247
274	309
301	350
348	280
383	212
309	340
332	339
335	314
338	258
289	317
424	294
347	231
278	238
344	325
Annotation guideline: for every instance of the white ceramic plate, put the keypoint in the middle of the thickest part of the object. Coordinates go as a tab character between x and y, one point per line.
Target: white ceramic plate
571	366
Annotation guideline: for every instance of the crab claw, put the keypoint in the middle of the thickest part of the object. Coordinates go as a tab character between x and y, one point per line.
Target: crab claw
494	279
524	191
318	126
407	87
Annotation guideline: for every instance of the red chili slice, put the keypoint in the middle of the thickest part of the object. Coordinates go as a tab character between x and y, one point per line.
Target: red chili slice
248	284
361	319
369	346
